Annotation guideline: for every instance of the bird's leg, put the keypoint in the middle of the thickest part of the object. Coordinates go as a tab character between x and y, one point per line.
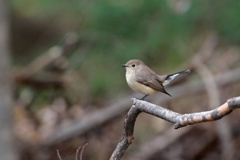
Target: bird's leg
144	97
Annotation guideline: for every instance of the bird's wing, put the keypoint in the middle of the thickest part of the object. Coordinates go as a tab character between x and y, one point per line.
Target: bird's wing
150	79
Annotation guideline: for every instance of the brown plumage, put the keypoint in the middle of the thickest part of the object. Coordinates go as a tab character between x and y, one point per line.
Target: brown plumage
144	80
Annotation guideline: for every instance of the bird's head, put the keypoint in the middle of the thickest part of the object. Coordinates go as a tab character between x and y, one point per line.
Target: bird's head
133	64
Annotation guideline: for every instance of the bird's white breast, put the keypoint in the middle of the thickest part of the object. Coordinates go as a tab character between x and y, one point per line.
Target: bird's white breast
138	87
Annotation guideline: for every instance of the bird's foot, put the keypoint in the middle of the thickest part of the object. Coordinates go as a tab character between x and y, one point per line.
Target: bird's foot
138	98
143	98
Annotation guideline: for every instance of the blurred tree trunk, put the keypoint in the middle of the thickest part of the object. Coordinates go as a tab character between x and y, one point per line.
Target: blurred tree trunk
7	151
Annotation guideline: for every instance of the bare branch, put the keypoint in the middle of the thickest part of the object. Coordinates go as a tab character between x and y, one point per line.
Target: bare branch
212	115
52	55
54	58
39	81
179	120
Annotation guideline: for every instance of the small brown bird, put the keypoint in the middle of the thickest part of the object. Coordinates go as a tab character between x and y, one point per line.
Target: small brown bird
144	80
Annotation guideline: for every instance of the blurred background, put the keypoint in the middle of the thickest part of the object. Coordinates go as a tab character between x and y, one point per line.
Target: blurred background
63	59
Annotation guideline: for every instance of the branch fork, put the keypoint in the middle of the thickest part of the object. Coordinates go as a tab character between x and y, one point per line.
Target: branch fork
179	120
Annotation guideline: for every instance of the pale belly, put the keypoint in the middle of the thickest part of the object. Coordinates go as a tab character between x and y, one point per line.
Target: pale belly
138	87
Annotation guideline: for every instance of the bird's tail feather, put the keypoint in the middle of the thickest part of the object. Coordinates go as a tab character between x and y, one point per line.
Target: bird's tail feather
177	73
170	77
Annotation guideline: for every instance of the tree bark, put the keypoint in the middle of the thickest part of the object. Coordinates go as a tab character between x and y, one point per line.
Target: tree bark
179	120
7	150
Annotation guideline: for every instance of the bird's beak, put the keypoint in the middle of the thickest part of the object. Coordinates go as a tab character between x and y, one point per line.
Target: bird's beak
124	65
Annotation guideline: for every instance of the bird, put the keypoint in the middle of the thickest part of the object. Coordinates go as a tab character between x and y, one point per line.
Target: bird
142	79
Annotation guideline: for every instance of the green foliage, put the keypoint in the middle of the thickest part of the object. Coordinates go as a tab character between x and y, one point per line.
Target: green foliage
227	20
116	31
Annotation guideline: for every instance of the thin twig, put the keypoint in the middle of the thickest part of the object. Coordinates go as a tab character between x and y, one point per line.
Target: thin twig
59	156
79	152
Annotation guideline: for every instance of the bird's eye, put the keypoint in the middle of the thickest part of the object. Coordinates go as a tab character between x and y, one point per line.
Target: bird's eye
133	65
